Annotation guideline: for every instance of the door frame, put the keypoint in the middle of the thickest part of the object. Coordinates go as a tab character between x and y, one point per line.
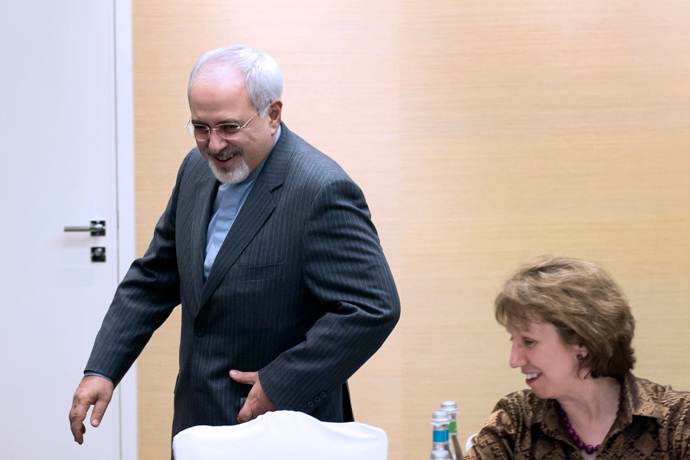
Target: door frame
124	152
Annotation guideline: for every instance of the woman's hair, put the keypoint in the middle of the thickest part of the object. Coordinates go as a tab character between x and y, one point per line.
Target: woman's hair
582	301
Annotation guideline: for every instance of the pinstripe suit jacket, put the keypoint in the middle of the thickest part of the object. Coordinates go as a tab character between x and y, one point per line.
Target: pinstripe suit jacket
300	291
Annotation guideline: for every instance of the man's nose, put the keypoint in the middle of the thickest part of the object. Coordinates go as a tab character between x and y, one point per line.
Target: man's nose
216	143
517	358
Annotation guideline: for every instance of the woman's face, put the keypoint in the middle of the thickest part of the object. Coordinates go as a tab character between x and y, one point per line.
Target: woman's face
549	365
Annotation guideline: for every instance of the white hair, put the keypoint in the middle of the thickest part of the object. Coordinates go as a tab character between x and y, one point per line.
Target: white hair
261	73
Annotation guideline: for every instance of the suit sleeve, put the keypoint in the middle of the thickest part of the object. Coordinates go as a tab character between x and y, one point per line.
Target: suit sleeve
143	301
345	269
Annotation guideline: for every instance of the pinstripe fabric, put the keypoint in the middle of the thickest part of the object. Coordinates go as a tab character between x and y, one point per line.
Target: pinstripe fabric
300	291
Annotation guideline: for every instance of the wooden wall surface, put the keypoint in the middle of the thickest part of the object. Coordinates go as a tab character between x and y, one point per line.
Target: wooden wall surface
481	133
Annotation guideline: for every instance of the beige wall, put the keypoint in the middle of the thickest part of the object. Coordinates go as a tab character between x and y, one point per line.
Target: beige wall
481	133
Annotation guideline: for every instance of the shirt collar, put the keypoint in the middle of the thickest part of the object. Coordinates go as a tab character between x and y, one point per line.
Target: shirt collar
545	414
640	399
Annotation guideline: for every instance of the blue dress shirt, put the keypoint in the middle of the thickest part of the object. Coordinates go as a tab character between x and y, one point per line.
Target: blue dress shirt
227	206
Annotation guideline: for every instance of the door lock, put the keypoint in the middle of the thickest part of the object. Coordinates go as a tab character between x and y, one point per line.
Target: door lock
98	254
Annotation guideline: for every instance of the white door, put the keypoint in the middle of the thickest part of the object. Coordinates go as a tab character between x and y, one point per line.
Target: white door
58	167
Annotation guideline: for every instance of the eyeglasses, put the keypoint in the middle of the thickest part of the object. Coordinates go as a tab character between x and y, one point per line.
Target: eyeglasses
225	130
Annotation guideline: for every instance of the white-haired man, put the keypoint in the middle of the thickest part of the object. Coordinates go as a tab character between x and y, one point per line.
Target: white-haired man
270	251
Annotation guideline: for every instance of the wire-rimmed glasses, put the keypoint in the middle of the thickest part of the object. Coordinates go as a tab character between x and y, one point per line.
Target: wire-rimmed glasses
202	132
225	130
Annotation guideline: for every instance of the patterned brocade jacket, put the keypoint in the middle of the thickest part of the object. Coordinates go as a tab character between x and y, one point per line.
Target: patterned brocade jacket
653	423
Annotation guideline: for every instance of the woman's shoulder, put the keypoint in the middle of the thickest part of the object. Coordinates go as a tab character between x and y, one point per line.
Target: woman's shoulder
518	408
518	400
508	426
661	401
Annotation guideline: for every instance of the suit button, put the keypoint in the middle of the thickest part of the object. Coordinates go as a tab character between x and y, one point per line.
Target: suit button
310	404
199	331
323	394
317	400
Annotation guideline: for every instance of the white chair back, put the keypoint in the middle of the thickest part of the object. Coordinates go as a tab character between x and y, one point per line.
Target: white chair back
470	442
284	435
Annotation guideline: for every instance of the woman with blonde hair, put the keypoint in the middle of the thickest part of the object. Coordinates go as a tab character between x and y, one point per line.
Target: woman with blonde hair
571	331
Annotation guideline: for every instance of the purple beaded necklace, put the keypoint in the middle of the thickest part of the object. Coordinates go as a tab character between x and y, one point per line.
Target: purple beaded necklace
568	428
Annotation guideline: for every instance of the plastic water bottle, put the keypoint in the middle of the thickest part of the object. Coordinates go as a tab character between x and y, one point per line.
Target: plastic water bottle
439	455
452	409
440	421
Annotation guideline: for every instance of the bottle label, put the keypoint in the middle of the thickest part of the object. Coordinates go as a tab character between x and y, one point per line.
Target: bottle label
440	436
452	429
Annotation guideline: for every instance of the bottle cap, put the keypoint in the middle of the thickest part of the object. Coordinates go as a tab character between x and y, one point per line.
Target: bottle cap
439	455
440	417
449	406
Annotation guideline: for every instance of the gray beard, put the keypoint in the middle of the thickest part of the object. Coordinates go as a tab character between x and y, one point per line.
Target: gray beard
233	175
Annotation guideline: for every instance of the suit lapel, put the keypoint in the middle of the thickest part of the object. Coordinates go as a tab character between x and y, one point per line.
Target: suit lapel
205	197
256	210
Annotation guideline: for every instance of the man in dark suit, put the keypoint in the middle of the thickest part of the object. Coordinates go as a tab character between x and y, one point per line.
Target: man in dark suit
268	246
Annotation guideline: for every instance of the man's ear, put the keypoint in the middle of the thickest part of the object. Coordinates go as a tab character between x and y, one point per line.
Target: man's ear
274	113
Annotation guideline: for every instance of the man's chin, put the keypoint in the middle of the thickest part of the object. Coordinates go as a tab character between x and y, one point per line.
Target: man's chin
233	175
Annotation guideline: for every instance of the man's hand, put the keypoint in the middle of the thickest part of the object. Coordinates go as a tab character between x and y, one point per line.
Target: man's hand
257	402
92	391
